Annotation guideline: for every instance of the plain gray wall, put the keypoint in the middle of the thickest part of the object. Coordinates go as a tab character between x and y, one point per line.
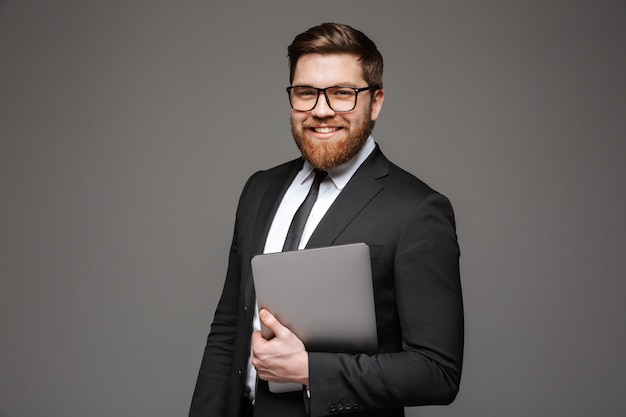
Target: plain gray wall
128	128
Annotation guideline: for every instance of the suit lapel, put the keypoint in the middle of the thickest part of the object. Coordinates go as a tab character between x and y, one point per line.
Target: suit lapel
361	188
273	195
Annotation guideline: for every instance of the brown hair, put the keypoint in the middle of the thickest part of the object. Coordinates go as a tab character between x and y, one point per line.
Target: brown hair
336	38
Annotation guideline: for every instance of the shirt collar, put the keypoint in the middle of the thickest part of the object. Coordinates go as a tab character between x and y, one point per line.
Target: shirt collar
340	175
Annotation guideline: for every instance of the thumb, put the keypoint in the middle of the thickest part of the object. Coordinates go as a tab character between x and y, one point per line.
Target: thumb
272	323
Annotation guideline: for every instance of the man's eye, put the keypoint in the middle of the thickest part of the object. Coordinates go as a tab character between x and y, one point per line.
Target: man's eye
344	93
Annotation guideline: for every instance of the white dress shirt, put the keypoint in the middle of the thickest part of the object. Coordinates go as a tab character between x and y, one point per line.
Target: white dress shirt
330	188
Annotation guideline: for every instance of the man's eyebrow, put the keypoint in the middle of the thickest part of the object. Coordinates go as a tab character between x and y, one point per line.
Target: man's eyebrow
342	84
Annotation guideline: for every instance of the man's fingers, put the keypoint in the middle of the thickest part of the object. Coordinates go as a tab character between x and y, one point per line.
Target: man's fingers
257	338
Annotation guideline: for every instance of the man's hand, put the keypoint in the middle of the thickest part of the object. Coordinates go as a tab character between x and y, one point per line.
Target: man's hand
282	358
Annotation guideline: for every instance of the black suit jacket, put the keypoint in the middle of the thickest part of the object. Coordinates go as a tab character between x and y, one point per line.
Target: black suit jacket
419	311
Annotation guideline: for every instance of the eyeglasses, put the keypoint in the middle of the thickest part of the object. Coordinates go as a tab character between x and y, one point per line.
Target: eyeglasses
339	99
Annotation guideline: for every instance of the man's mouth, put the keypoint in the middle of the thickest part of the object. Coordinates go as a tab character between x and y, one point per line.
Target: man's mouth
325	129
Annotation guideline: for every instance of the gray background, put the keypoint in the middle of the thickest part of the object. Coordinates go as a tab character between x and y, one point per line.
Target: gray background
128	129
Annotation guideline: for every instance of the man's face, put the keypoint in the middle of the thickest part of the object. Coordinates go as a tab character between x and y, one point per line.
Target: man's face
327	138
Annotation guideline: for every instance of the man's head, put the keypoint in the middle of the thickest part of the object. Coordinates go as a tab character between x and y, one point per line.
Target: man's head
325	128
335	38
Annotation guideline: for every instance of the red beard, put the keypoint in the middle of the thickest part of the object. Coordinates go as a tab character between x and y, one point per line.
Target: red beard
325	155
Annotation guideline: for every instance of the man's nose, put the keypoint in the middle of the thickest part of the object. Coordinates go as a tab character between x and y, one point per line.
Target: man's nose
322	109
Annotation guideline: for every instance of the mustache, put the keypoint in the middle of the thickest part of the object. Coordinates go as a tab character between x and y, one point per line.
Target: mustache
321	123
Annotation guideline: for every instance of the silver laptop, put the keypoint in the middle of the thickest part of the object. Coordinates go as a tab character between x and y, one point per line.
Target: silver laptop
324	295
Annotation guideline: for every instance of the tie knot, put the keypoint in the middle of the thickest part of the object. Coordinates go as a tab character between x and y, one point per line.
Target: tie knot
319	176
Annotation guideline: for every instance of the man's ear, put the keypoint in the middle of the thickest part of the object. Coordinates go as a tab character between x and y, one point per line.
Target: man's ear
377	103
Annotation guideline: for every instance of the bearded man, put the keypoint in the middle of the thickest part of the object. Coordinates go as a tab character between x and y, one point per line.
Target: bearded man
336	95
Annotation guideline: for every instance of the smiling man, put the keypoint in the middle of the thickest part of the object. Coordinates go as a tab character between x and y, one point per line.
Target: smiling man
353	194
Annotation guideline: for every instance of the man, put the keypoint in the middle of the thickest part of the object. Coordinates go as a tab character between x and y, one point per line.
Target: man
336	95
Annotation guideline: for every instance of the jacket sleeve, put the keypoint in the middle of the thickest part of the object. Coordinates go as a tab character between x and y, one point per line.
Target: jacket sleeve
427	369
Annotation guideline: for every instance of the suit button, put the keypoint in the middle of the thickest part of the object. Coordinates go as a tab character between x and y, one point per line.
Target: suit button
339	408
355	406
332	409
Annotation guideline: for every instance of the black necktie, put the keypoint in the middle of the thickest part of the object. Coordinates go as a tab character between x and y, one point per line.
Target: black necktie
299	219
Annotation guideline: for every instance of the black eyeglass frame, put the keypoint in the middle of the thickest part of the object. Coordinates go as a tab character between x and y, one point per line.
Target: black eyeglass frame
357	90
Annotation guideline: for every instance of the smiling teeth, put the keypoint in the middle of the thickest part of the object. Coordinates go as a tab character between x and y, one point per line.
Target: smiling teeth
326	129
